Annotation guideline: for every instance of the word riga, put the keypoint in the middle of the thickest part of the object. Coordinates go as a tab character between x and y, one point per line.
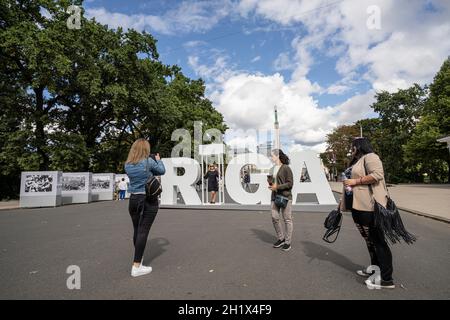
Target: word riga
173	183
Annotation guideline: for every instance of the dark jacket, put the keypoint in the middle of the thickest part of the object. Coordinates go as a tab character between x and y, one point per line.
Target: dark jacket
213	177
285	181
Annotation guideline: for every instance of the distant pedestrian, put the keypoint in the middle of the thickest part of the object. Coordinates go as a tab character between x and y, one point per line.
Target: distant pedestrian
246	180
213	182
365	182
280	182
139	167
116	191
122	189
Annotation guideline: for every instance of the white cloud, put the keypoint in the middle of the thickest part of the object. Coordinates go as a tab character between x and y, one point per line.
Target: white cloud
247	101
337	89
136	21
242	140
188	16
217	72
283	62
402	52
194	44
355	108
319	148
396	56
255	59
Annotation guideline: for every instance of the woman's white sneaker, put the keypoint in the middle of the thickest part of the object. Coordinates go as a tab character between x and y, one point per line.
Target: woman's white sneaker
363	273
140	271
382	285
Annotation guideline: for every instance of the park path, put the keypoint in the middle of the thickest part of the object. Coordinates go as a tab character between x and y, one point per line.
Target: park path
207	254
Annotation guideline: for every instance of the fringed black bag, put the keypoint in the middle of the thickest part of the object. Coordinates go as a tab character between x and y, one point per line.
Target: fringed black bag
388	221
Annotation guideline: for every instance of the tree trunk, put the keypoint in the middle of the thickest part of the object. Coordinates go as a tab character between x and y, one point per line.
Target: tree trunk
41	141
90	145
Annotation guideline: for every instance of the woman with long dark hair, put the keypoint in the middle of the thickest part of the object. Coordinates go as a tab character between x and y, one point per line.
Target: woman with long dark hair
139	167
281	182
365	183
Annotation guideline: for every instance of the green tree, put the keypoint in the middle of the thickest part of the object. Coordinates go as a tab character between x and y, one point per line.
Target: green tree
422	152
398	114
338	151
76	99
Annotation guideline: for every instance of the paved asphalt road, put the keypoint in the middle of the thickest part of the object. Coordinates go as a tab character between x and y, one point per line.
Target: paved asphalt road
206	255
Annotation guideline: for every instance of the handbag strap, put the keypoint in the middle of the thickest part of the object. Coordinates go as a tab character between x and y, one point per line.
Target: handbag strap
147	169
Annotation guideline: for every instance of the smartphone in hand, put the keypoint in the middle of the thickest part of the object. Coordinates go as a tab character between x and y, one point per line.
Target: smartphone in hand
270	179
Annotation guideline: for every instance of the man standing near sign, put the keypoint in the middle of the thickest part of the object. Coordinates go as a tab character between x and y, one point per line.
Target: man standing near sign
122	189
281	182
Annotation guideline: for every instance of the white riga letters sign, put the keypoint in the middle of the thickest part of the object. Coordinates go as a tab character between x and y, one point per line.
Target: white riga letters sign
185	184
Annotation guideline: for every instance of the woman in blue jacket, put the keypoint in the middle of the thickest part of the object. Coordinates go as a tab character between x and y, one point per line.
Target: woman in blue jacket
139	167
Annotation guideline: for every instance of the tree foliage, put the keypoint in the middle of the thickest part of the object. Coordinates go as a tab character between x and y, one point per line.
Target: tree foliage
75	99
405	133
423	153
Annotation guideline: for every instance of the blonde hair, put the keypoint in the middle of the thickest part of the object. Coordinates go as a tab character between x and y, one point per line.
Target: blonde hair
140	150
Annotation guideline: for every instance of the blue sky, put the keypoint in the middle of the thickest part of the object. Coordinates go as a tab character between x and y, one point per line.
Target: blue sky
320	61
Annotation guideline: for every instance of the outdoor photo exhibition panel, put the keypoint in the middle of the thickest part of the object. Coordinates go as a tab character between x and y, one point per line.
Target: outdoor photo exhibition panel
103	186
40	189
76	187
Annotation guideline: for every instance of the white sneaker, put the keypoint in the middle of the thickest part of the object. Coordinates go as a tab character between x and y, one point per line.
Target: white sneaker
363	273
382	285
140	271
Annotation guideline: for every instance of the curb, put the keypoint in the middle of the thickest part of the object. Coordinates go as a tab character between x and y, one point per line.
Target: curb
426	215
9	208
418	213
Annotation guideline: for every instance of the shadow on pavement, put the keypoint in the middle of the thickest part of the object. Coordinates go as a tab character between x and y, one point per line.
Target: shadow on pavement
317	251
156	248
264	236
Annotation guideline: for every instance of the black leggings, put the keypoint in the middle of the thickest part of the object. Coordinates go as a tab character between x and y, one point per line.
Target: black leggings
143	213
380	253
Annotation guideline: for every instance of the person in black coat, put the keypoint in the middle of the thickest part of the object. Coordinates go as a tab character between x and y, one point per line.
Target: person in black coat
213	182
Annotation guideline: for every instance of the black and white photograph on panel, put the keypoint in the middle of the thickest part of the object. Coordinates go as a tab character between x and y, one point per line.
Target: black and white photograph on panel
74	183
38	183
101	183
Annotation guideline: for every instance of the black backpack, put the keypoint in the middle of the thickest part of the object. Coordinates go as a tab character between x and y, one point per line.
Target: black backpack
153	187
333	225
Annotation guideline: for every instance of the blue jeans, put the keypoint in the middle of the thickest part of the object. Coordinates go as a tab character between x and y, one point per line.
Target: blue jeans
122	194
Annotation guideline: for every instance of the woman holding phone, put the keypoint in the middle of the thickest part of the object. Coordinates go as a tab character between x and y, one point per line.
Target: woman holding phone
281	182
139	167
